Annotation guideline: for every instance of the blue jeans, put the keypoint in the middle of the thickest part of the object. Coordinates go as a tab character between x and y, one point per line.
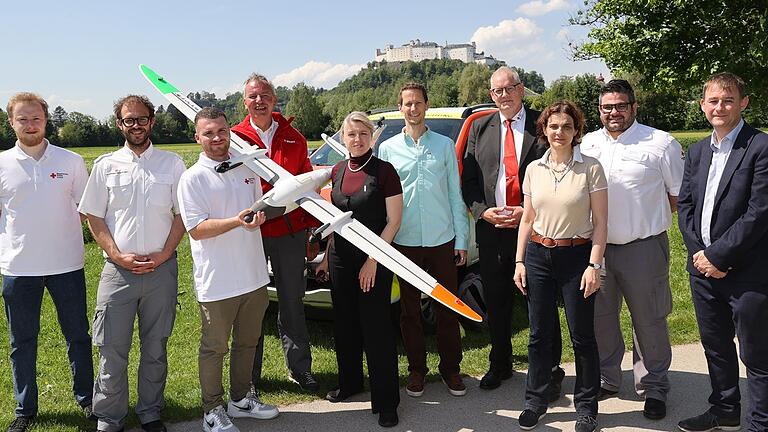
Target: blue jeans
548	271
23	296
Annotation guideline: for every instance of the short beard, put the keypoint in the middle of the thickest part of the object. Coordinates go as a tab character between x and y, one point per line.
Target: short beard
32	142
137	146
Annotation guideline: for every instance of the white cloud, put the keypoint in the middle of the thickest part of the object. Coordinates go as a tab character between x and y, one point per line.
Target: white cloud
542	7
563	34
318	74
510	40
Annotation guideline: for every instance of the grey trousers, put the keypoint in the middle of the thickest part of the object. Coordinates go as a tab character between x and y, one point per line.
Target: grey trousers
287	255
122	296
638	272
241	318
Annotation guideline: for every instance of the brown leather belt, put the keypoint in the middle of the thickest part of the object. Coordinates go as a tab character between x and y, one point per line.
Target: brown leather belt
553	243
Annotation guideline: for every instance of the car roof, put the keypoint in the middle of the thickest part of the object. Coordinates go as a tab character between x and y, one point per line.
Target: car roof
432	113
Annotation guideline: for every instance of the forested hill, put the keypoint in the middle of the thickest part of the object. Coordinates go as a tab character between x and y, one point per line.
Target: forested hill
449	83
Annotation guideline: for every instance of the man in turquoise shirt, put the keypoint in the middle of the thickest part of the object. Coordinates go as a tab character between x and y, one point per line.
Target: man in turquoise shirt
433	234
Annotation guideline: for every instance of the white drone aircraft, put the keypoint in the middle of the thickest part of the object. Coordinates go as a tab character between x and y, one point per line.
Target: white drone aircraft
289	192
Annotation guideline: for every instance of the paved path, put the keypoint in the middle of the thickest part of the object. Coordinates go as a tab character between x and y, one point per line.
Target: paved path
497	410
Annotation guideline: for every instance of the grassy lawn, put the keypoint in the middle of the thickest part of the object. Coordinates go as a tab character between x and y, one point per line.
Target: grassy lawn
58	412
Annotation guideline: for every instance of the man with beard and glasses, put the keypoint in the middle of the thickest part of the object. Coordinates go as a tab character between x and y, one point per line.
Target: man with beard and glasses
41	183
132	209
285	238
644	169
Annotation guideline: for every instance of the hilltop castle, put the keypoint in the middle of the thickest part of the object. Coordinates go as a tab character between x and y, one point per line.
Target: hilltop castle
417	51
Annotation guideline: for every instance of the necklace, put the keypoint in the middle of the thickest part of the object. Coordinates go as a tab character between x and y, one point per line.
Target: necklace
349	167
562	172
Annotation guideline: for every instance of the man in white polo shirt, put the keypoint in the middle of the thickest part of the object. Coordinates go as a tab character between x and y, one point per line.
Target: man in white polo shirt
230	272
644	169
130	201
41	245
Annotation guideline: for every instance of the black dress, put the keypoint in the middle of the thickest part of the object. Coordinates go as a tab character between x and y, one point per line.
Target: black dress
362	320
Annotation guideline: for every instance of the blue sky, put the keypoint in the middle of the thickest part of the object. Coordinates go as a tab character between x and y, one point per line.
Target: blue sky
83	55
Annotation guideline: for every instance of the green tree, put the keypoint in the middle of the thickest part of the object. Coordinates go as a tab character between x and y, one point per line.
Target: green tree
444	91
7	135
583	90
304	106
673	45
531	80
473	84
80	130
59	116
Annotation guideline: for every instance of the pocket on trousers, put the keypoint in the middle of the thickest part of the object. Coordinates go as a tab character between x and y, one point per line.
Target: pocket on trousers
99	326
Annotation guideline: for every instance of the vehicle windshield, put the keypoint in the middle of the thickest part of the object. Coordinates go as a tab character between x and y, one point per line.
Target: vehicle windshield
326	156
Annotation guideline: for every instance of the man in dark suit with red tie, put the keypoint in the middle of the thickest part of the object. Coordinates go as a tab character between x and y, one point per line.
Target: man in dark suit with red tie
499	148
723	217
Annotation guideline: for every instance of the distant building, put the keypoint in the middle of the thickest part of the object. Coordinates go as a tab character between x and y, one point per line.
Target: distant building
416	50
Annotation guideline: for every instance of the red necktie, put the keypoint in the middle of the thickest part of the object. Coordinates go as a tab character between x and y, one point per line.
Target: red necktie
511	167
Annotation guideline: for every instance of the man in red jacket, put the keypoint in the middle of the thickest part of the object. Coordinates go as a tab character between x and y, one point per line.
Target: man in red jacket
285	238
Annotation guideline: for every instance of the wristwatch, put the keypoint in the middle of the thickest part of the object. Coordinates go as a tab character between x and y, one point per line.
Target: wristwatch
596	266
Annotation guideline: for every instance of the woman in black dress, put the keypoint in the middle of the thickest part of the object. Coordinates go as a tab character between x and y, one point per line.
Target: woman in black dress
369	188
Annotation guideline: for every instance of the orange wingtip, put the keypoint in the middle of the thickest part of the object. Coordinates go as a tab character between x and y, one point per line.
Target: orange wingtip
447	298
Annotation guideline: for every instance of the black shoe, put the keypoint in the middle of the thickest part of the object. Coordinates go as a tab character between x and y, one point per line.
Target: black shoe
586	423
305	380
529	419
707	422
336	395
555	389
605	393
154	426
654	409
88	412
493	378
388	419
20	424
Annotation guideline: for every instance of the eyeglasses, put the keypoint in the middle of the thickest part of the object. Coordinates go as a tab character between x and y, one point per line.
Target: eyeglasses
620	107
133	121
500	91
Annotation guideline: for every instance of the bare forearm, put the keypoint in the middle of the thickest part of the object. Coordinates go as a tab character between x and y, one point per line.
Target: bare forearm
102	236
599	237
174	237
210	228
523	234
672	203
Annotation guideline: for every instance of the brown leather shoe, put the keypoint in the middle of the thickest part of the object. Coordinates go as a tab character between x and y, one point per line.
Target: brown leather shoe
415	386
455	384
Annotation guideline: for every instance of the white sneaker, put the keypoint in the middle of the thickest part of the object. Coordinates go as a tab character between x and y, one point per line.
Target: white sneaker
250	406
216	420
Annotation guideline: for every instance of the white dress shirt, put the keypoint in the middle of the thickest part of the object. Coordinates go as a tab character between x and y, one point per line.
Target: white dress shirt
266	135
643	166
136	197
720	153
40	230
518	131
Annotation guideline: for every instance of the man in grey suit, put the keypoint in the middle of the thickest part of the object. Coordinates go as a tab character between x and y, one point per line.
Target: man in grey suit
491	185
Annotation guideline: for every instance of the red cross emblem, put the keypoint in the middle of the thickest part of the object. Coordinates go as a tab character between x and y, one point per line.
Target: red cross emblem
53	175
